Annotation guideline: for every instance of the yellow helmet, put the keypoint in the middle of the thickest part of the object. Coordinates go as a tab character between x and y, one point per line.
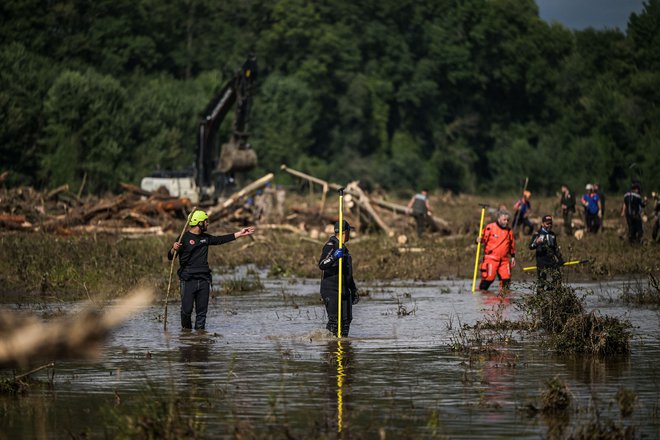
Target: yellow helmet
197	217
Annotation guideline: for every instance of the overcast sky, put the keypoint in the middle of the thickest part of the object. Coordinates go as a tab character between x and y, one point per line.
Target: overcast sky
581	14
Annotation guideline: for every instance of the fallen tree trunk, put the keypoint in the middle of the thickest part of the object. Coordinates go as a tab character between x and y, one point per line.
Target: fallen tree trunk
363	200
438	223
26	340
218	211
312	179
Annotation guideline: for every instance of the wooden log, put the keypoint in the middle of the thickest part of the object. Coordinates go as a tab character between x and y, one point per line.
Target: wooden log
56	191
154	230
441	224
219	210
14	222
363	200
325	185
135	189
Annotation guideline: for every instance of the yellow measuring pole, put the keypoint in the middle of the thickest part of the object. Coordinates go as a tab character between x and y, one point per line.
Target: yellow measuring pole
476	260
341	260
568	263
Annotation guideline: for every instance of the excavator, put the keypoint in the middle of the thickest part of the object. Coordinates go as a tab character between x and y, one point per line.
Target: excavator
212	172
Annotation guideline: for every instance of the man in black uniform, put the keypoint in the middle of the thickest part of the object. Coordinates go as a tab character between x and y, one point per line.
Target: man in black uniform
194	271
567	209
548	255
632	209
329	264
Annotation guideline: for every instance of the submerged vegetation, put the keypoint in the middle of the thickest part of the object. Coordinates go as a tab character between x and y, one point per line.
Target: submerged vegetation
636	293
157	415
561	314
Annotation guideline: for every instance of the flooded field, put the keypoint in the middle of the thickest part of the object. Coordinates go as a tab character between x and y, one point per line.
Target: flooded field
267	368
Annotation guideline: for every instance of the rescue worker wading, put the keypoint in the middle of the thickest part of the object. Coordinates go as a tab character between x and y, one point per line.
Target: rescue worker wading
329	264
194	271
499	244
548	255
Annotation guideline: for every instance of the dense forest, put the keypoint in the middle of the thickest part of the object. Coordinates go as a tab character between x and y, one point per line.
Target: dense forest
464	95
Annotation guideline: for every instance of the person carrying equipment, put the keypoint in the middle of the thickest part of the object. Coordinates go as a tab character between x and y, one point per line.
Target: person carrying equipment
548	256
632	208
329	264
419	204
567	209
521	217
499	253
194	271
592	208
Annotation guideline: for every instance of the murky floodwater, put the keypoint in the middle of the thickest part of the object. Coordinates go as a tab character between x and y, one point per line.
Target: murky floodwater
267	366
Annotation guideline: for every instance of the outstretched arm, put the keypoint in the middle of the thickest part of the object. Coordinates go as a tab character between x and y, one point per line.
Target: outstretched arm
245	231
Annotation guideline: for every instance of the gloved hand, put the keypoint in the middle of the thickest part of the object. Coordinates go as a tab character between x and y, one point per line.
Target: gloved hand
355	298
339	253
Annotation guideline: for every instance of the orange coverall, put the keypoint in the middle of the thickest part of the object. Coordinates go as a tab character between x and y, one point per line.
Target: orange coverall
498	246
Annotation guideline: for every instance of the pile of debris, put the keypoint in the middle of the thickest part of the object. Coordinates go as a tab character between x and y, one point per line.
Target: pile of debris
136	211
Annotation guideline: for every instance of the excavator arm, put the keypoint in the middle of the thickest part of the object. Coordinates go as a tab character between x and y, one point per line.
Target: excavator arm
237	154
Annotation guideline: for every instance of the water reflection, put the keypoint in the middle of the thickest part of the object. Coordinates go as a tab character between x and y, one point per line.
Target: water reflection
596	370
271	372
339	355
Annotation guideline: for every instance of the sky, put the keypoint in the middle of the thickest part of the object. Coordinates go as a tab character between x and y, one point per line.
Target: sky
581	14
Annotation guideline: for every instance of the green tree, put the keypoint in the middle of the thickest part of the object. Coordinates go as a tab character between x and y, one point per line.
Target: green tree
26	78
85	132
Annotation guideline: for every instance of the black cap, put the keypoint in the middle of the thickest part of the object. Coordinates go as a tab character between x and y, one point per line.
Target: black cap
346	227
546	219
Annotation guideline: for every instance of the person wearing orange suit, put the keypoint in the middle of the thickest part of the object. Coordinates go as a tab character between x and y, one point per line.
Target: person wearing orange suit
499	253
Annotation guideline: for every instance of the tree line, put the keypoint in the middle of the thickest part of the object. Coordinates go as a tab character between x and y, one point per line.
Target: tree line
463	95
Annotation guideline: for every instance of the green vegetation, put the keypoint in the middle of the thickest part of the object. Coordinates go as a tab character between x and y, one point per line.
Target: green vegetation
638	294
235	286
560	313
462	95
556	397
157	415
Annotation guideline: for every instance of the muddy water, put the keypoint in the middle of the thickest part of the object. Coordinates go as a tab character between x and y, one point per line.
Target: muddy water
267	366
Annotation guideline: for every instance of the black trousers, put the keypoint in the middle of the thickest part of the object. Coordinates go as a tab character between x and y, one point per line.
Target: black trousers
593	223
420	220
568	219
635	229
331	305
194	292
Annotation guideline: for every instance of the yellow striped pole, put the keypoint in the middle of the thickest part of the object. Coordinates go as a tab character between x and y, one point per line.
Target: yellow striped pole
476	260
568	263
341	259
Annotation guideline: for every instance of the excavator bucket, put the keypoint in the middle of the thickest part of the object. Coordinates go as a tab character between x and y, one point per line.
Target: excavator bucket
235	158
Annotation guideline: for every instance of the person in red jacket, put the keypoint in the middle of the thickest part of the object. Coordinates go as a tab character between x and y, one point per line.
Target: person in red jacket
499	252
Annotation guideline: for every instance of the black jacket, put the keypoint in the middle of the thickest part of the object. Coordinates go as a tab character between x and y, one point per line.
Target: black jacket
330	267
569	201
547	252
194	253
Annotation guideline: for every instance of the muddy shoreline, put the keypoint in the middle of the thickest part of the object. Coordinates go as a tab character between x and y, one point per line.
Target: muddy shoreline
52	266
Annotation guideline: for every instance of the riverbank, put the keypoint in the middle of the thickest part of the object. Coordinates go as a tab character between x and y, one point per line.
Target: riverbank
52	266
